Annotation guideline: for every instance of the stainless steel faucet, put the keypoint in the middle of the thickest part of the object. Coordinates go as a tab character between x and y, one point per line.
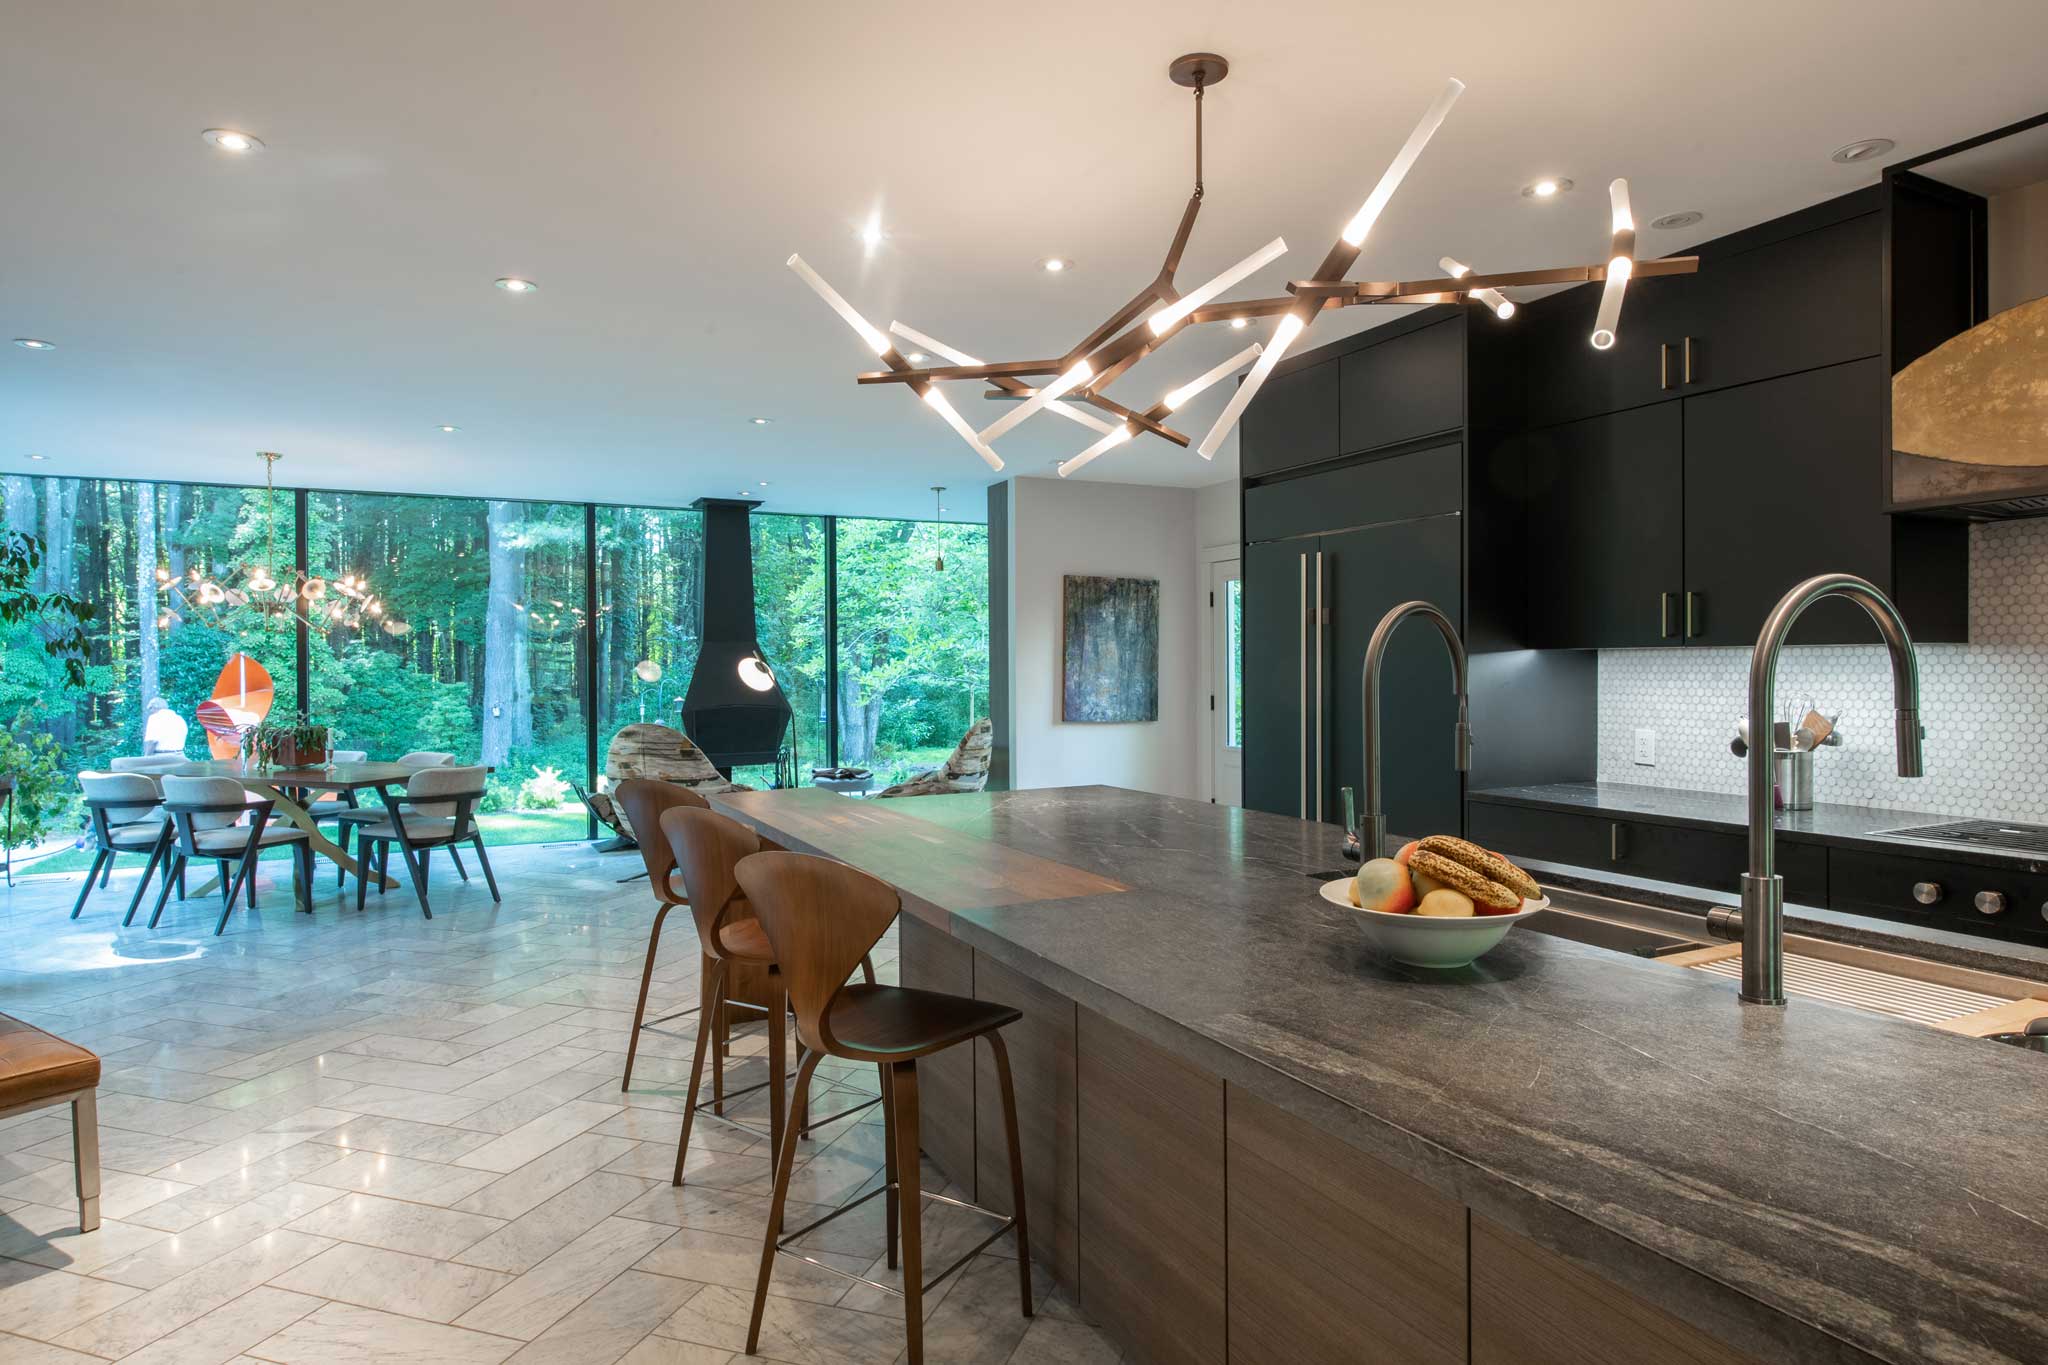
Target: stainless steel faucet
1373	834
1763	890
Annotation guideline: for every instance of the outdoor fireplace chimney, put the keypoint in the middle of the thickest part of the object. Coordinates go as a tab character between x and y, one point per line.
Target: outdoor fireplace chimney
735	709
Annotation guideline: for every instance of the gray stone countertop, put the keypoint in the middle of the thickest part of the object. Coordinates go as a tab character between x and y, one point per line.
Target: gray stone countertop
1807	1183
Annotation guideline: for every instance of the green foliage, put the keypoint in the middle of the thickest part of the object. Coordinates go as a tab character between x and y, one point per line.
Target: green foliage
545	790
61	617
42	793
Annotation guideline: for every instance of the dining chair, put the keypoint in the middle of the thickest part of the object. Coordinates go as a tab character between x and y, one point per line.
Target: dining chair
124	812
707	847
356	813
645	800
437	811
819	917
206	815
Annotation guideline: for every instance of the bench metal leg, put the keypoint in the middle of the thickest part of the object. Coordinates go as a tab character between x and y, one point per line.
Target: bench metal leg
85	1157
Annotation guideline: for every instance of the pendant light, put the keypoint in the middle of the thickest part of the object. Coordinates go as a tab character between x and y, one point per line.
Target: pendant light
1071	383
939	515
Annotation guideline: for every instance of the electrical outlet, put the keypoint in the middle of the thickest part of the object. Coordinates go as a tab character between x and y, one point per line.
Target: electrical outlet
1646	747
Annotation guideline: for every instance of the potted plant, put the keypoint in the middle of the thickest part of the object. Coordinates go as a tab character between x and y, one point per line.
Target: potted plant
285	744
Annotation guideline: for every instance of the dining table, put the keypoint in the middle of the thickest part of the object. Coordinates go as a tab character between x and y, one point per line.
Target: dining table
293	792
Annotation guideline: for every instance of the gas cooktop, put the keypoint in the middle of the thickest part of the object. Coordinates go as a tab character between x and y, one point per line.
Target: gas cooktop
1997	835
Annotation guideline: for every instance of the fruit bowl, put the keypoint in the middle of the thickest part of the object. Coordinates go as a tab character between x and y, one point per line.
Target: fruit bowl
1429	940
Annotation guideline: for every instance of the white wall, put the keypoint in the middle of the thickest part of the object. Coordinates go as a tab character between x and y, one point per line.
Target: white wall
1122	530
1216	515
2017	260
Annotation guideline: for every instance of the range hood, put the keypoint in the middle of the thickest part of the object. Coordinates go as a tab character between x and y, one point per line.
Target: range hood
735	710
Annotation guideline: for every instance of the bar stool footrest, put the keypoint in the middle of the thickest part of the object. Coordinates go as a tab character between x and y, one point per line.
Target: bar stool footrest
1007	1221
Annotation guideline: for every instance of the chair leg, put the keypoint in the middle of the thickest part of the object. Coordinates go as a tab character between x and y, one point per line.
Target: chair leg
778	1056
785	1162
164	895
714	1001
85	1157
416	869
456	854
341	833
1017	1205
249	882
640	1009
107	873
364	850
99	859
484	861
891	1212
244	871
910	1236
383	864
302	875
221	866
156	855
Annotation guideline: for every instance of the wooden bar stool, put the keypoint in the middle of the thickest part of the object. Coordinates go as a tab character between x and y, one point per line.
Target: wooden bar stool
820	917
645	801
707	847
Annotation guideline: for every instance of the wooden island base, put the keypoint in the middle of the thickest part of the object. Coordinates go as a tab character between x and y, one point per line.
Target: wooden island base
1195	1222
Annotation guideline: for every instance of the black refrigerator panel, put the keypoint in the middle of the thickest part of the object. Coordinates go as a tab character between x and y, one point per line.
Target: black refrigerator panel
1275	631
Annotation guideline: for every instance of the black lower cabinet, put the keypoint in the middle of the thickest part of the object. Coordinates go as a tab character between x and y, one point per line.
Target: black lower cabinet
1681	854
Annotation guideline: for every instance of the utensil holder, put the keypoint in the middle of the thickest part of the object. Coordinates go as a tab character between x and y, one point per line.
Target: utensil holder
1792	771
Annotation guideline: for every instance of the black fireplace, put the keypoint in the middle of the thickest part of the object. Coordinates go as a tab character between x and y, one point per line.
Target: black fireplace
735	709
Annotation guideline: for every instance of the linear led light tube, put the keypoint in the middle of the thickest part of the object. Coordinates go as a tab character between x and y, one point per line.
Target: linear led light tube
878	343
1188	303
1177	397
1283	337
1503	307
959	424
959	357
1404	160
1116	437
1078	373
1619	267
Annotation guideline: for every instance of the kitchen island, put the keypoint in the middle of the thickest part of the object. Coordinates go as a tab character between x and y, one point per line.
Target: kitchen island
1249	1138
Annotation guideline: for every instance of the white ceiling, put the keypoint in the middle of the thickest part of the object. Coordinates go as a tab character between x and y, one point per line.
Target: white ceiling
651	164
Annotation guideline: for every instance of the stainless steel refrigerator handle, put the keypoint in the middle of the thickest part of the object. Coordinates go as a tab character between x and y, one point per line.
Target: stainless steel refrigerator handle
1301	749
1319	686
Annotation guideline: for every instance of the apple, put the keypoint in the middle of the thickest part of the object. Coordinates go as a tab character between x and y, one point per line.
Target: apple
1407	851
1383	884
1446	903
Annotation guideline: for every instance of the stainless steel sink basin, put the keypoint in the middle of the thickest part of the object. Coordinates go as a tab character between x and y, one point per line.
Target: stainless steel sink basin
1607	933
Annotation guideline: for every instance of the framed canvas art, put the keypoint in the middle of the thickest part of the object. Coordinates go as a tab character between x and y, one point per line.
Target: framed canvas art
1110	650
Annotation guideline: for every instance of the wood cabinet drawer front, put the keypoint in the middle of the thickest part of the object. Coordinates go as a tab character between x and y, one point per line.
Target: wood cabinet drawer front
1422	483
1531	1306
1334	1255
1709	859
1403	389
1293	422
1883	884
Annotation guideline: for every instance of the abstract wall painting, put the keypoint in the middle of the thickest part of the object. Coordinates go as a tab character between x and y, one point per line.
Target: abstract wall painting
1110	654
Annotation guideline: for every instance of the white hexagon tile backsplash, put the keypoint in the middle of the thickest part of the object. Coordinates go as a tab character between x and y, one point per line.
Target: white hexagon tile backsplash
1984	704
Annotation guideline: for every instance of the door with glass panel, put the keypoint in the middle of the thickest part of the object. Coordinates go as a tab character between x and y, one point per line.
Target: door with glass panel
1226	681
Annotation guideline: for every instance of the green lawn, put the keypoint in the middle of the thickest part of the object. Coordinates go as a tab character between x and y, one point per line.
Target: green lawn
499	827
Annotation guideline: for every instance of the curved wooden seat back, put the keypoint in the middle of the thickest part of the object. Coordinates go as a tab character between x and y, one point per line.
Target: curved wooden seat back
646	801
707	847
822	918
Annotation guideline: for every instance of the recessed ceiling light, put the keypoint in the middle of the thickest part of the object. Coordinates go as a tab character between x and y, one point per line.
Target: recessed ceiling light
512	284
228	140
1240	324
446	429
1678	220
1053	265
1863	151
915	357
760	421
764	483
871	231
33	344
1547	188
39	457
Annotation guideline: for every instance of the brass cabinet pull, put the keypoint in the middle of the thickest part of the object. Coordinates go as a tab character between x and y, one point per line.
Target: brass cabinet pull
1692	628
1685	370
1663	364
1614	845
1663	615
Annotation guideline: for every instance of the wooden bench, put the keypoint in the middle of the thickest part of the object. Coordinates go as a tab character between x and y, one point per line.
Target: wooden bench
39	1070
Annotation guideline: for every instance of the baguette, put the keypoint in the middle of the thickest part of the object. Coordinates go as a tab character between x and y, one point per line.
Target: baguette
1483	890
1489	865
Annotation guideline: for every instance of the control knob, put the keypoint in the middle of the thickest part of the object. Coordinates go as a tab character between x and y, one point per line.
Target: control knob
1927	893
1990	902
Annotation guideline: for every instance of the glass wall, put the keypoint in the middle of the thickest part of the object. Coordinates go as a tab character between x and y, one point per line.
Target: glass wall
481	647
913	642
477	651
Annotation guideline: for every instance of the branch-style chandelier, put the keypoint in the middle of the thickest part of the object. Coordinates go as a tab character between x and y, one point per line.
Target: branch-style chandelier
344	603
1159	311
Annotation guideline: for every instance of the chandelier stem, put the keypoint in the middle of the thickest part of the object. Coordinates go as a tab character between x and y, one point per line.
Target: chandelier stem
1198	137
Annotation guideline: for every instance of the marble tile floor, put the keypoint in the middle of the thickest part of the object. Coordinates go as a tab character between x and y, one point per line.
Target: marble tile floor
367	1138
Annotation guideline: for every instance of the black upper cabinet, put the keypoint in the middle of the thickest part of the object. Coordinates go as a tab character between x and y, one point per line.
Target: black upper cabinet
1406	387
1293	421
1568	379
1606	530
1780	484
1810	300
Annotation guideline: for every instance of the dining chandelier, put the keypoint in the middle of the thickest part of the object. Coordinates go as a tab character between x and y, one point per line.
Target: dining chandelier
1077	389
